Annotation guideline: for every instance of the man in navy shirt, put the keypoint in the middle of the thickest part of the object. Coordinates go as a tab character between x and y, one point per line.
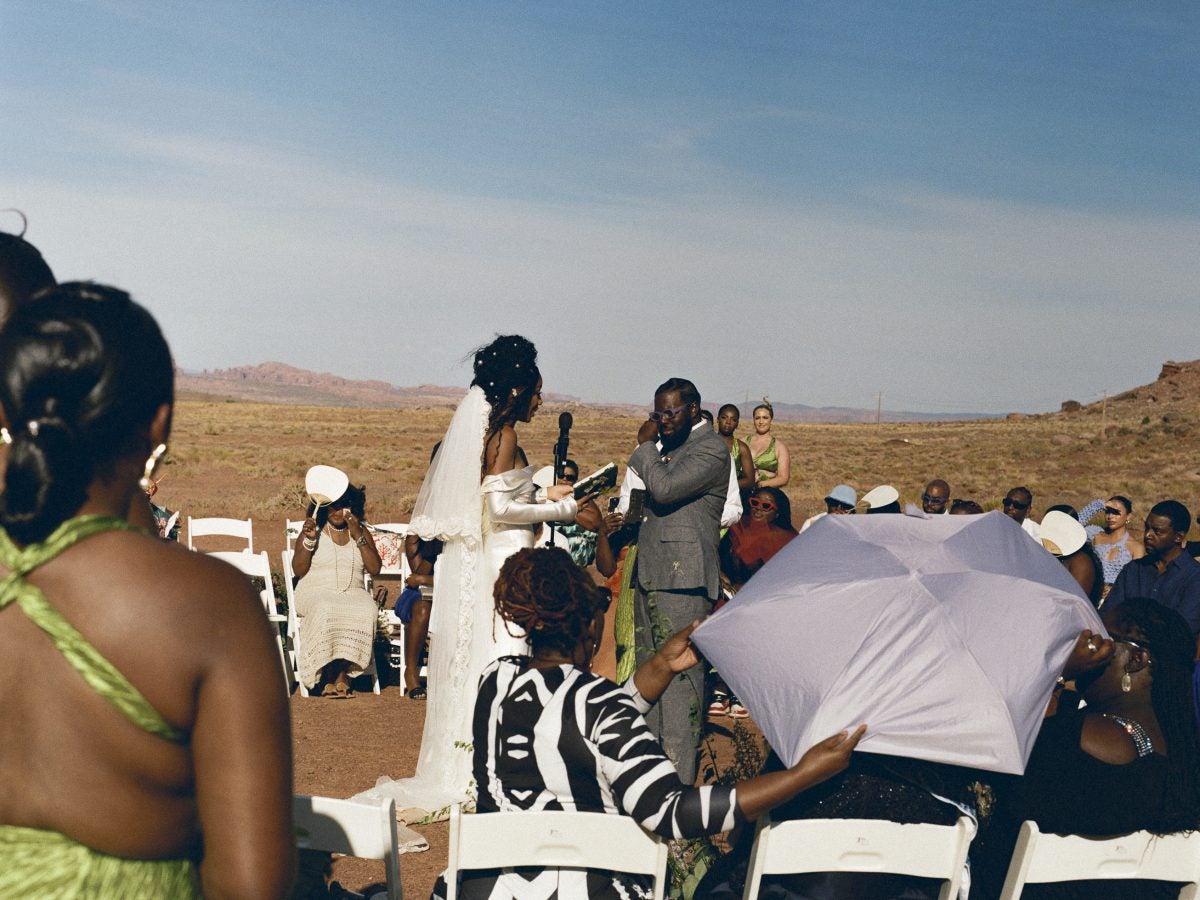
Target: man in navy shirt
1166	573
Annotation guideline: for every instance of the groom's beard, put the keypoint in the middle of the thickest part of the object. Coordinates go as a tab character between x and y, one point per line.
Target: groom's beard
674	441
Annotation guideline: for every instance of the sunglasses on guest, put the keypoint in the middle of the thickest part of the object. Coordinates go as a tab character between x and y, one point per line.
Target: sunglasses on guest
767	505
1015	504
669	413
934	501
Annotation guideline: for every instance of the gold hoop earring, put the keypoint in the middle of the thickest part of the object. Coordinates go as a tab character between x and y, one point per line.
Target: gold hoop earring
146	482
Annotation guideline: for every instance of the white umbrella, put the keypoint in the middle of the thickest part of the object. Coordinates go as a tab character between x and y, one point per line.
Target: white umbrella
944	634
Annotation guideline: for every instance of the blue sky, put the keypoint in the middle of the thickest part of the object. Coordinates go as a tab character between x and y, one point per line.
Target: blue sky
985	207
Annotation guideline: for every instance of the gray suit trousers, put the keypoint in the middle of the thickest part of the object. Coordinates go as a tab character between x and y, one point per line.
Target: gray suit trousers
677	718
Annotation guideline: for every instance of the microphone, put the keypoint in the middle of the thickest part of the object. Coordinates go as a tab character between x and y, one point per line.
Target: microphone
565	421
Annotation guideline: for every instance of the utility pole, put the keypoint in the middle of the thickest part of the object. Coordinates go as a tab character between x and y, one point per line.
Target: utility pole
878	409
1104	418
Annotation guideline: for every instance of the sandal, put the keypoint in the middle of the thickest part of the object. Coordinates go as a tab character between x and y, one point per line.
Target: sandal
417	693
329	691
342	690
719	706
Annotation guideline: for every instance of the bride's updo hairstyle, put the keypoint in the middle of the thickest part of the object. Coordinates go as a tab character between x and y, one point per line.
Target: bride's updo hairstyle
506	370
541	590
83	371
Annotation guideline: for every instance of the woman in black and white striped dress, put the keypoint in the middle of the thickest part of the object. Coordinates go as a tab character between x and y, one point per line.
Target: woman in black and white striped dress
549	735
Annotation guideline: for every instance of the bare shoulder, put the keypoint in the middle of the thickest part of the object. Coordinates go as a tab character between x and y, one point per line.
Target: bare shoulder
501	450
128	567
1107	741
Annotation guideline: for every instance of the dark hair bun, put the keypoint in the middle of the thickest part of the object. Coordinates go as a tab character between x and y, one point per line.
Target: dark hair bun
508	363
83	370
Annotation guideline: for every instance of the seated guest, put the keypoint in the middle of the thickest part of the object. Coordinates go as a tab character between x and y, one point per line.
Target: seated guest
762	532
841	501
1165	573
422	559
965	508
549	735
580	534
935	500
1017	504
1063	536
337	616
1129	760
146	751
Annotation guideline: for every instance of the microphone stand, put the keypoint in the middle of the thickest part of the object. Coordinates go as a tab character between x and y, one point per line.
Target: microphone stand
565	421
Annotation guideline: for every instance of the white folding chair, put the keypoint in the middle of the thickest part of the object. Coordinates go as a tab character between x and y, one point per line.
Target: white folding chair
1040	858
218	527
400	570
293	629
291	530
257	565
554	840
860	845
365	830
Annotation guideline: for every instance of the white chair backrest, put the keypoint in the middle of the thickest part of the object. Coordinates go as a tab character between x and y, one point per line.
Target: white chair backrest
210	527
291	529
366	830
394	532
553	840
257	565
860	845
1040	858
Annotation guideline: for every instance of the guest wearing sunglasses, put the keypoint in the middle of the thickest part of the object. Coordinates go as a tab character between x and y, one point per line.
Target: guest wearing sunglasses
581	535
1017	504
1128	760
841	501
1114	544
935	500
687	473
762	532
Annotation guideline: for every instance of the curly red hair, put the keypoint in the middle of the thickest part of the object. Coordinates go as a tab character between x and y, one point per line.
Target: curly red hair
543	591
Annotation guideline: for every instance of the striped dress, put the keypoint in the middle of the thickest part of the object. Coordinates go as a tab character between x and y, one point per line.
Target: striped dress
561	738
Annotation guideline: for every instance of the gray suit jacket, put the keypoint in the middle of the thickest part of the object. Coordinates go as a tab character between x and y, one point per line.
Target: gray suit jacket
677	545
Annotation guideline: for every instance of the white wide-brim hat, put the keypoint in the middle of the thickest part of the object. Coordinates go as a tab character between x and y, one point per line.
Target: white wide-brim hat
880	496
325	484
1062	534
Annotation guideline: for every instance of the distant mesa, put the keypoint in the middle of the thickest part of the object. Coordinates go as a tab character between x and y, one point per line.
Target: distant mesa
1177	389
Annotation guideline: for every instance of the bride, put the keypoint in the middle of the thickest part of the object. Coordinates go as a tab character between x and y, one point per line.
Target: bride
479	498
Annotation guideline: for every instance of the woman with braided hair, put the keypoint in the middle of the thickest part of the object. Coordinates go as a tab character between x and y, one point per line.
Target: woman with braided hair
550	735
478	497
146	748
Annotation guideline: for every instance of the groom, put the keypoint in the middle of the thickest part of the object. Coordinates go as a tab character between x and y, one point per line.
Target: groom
678	572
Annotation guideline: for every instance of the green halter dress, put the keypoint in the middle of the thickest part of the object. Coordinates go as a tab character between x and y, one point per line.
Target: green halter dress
45	864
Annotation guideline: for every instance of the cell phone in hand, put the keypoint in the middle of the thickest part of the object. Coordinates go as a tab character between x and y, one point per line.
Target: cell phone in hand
613	503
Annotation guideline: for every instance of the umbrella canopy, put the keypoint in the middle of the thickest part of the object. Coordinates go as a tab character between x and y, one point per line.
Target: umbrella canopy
944	634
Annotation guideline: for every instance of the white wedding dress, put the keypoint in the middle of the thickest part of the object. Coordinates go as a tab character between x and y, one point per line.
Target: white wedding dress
466	634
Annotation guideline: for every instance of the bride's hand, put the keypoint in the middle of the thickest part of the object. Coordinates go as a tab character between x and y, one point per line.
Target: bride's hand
557	492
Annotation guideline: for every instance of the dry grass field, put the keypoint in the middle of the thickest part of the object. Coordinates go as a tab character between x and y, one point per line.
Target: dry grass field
243	459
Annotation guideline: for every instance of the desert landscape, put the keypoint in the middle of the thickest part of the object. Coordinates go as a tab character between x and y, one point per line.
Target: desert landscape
237	458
